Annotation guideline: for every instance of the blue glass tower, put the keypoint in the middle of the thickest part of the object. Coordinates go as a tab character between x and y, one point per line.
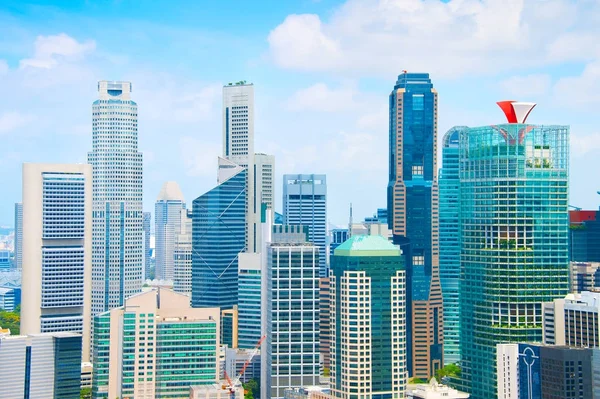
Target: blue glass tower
218	236
450	243
413	215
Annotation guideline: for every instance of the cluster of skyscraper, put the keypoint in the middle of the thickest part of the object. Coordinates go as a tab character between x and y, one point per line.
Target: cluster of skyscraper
455	265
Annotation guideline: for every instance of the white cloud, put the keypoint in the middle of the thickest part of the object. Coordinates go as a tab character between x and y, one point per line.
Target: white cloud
580	91
50	49
199	157
320	97
581	145
522	87
13	120
3	67
460	37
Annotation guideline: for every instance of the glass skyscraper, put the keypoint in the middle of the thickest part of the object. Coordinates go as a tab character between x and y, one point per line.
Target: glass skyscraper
514	232
368	319
218	236
147	222
168	217
249	300
413	215
117	214
450	243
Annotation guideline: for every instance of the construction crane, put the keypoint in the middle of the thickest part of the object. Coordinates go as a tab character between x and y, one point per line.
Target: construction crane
575	207
232	385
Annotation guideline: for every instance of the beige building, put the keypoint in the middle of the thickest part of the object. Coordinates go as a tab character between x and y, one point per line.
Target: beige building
57	250
154	339
583	276
572	321
215	391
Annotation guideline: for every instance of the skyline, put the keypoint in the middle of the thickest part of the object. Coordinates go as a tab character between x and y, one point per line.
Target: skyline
323	116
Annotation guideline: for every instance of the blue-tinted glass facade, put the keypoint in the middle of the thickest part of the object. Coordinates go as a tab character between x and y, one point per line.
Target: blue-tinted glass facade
449	182
338	236
218	236
584	236
530	384
413	215
249	308
514	240
67	367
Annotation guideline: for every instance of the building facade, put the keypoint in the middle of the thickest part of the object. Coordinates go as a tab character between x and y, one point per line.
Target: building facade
155	346
265	180
117	232
292	336
514	231
218	237
368	319
584	236
449	236
5	264
10	298
413	215
57	250
249	300
40	366
585	276
182	256
572	320
167	225
305	203
544	371
146	225
19	235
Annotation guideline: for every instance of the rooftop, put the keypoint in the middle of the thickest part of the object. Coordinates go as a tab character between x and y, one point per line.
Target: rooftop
367	245
170	191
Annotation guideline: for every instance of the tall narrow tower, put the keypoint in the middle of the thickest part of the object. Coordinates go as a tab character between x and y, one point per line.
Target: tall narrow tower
413	216
117	232
167	225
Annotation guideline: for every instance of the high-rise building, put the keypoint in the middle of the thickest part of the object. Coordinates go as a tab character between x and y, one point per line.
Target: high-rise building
117	232
5	265
10	298
584	236
249	300
413	216
146	224
368	319
167	225
292	302
57	250
19	235
40	366
155	345
514	233
305	203
572	320
338	237
265	175
182	256
527	371
324	323
218	236
585	276
449	242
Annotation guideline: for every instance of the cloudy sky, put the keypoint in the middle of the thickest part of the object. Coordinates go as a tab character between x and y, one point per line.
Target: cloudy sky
323	71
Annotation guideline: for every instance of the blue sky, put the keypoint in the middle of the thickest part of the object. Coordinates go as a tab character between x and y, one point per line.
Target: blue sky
322	70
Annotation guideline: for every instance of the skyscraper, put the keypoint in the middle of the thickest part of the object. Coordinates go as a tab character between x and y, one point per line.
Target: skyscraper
57	250
368	319
117	232
265	175
584	236
292	335
147	223
514	232
182	255
413	215
305	203
218	236
167	225
249	300
155	346
19	235
450	243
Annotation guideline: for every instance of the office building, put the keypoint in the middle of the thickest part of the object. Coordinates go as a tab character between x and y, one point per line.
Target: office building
5	265
449	242
292	305
57	250
572	320
368	319
249	297
236	358
265	175
338	237
324	324
10	298
218	236
182	256
167	224
229	327
543	371
86	375
514	232
305	203
434	390
215	391
147	262
584	236
117	232
413	216
40	366
19	235
155	345
584	276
